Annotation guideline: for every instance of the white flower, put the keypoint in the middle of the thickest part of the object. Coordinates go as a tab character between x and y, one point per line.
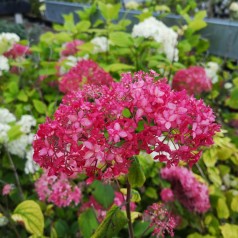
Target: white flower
228	85
101	44
19	146
234	7
211	71
158	31
7	40
4	128
3	64
70	61
6	116
26	122
132	5
30	166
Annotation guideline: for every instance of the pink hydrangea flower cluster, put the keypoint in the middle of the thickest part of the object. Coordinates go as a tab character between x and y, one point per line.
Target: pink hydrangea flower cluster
101	212
7	189
98	129
58	190
85	72
71	48
187	189
167	195
17	51
194	80
161	220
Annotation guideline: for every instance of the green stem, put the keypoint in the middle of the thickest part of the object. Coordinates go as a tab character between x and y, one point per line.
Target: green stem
15	174
128	210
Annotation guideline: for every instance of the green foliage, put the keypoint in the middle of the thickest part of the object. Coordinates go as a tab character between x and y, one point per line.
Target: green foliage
114	221
136	175
30	214
99	192
87	222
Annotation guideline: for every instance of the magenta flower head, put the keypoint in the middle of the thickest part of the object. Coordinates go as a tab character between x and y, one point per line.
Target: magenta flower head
17	51
85	72
194	80
167	195
187	189
71	48
7	189
97	130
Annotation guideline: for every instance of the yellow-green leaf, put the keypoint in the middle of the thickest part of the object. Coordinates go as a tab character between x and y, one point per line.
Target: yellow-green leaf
234	204
229	231
30	214
222	209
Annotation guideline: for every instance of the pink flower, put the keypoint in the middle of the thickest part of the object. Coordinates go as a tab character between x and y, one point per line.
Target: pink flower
17	51
85	72
7	189
58	190
90	133
161	220
71	48
194	80
187	190
167	195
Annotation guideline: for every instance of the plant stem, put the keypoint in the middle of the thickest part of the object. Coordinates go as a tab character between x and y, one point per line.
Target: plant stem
15	174
128	210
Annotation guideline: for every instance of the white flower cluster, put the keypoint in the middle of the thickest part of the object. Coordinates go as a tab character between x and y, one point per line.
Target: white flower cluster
211	71
101	44
7	40
21	146
70	61
234	7
133	5
4	66
158	31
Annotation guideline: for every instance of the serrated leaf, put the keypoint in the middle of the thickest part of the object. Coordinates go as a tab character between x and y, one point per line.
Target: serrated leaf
99	192
22	96
229	231
87	222
83	26
136	175
114	221
40	106
30	214
210	157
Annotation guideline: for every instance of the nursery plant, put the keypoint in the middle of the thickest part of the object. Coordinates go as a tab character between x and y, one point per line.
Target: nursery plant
111	132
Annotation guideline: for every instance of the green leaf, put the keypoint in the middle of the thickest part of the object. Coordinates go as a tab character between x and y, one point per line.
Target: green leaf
99	192
135	195
214	176
30	214
151	193
197	235
114	221
14	132
198	23
222	208
234	204
210	157
136	175
119	67
40	106
61	228
141	227
126	113
109	11
22	96
121	39
83	26
229	231
87	222
69	22
233	100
